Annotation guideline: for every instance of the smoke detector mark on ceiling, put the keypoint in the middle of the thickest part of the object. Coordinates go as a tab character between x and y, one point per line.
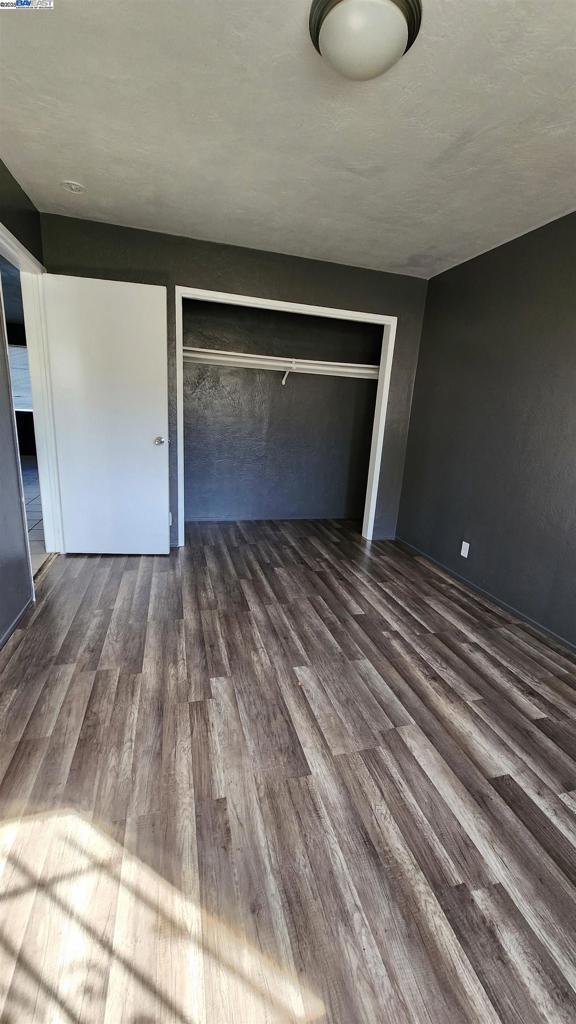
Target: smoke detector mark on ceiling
73	186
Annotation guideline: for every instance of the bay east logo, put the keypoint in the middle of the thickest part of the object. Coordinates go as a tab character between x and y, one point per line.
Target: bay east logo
34	5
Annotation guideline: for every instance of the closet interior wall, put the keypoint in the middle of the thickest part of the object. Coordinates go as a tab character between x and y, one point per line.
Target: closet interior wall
254	449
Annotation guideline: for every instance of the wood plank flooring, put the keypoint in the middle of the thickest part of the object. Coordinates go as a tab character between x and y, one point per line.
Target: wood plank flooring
283	776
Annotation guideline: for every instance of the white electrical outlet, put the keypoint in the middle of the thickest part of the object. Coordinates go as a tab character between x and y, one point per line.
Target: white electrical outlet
465	549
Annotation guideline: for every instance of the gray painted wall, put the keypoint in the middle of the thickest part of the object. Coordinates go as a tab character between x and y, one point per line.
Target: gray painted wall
12	293
15	584
90	249
492	446
18	213
20	216
257	450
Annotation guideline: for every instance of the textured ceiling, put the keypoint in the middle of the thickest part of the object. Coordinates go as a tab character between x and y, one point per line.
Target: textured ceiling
220	121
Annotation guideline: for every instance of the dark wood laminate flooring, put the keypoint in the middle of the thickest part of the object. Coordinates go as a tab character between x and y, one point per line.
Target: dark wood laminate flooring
282	775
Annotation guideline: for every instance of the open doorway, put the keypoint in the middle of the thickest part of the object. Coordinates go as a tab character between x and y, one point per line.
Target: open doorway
23	409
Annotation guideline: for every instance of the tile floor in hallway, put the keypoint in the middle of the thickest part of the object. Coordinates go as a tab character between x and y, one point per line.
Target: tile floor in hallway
283	776
34	518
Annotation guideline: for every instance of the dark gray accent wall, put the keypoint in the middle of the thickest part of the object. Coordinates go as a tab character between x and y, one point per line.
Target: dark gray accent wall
255	449
18	213
15	583
492	447
22	219
90	249
273	333
12	293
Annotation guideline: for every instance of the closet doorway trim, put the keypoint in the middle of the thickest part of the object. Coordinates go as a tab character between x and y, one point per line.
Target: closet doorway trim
388	324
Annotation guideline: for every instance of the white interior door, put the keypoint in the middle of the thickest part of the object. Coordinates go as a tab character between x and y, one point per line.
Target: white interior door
107	343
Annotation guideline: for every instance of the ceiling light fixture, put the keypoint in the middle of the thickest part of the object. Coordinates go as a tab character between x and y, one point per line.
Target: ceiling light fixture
73	186
363	38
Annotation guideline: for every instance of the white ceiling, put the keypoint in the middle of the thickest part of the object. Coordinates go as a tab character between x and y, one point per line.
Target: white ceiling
219	120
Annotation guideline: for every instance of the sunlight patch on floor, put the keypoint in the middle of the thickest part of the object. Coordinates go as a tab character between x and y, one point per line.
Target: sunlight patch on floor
90	933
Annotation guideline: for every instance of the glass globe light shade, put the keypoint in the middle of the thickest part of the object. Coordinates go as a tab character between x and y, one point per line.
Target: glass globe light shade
363	38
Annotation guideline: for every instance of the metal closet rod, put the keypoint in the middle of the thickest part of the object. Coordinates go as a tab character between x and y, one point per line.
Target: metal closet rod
218	357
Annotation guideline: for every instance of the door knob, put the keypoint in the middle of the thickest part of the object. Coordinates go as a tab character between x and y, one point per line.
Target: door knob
158	440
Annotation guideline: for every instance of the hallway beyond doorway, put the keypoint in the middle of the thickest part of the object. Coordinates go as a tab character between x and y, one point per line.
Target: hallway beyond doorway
33	503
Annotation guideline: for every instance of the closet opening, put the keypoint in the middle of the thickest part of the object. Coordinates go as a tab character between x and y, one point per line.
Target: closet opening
281	409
